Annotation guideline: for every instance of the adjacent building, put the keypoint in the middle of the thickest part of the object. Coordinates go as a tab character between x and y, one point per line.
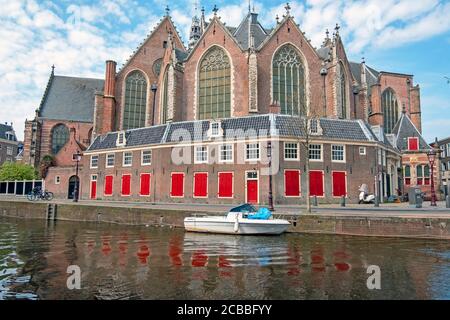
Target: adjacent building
444	146
262	84
8	143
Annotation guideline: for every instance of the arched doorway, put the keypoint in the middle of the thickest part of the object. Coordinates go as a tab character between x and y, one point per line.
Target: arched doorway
73	181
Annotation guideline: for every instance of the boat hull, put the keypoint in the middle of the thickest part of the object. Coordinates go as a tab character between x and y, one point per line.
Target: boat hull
249	227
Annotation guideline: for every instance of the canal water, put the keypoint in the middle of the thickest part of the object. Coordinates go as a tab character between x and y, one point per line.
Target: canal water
124	262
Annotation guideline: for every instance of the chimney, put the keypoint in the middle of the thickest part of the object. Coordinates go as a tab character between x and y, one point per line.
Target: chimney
110	78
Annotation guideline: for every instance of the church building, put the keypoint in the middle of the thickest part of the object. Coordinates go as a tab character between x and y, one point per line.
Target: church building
213	121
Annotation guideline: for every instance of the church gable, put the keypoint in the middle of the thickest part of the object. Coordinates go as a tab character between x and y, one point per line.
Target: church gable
408	138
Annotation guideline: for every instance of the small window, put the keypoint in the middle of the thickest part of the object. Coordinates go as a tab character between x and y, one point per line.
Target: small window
407	174
201	154
9	150
94	162
315	152
362	151
110	160
121	139
127	159
226	153
215	129
291	151
252	152
338	153
146	157
313	127
57	180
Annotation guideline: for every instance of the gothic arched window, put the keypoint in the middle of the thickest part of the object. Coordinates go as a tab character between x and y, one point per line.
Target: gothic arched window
389	106
341	92
288	81
60	136
165	98
214	85
135	101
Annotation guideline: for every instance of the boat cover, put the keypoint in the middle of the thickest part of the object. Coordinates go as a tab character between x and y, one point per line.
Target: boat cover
244	208
262	214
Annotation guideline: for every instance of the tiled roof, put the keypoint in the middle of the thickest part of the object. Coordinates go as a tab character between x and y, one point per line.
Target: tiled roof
4	128
371	74
69	98
250	24
405	129
240	128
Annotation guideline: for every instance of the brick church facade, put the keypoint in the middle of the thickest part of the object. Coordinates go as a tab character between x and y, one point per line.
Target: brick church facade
234	100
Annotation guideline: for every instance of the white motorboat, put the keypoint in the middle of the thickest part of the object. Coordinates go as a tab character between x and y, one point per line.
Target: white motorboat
242	220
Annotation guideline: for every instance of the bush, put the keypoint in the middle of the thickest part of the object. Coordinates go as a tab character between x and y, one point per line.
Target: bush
11	171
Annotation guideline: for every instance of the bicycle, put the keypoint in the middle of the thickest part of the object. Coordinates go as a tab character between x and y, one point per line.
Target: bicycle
39	194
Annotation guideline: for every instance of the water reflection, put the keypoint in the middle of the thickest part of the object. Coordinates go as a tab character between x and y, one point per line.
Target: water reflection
120	262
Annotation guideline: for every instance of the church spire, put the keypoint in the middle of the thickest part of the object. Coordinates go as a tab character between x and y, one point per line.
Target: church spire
197	27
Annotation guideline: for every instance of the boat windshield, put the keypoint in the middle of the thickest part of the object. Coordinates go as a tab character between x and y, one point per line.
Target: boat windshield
245	208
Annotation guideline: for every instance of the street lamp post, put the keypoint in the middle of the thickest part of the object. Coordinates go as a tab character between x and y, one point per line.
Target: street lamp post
77	179
269	154
154	88
432	159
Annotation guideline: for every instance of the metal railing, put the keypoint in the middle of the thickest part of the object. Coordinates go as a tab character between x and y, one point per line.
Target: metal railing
19	188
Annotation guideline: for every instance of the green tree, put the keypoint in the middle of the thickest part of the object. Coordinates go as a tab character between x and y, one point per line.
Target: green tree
11	171
46	162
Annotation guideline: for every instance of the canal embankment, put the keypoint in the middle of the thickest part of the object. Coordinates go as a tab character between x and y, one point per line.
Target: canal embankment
388	222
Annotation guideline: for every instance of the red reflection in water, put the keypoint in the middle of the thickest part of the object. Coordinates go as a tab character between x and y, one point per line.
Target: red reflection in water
294	260
106	245
317	260
91	246
175	252
199	259
340	258
223	262
143	253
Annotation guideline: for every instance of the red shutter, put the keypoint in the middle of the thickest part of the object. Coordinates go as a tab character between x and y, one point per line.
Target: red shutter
145	184
200	185
93	189
413	144
226	185
177	189
292	183
126	185
109	185
339	184
316	183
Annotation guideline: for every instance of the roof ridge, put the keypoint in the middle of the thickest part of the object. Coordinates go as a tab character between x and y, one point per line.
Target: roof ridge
47	89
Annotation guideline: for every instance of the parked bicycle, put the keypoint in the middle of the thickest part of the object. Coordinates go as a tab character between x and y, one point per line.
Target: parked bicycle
39	194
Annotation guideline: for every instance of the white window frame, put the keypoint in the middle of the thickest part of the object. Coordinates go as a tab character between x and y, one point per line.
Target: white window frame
142	157
107	158
247	151
124	157
321	152
196	161
121	136
232	153
344	156
219	132
297	157
92	161
364	151
9	150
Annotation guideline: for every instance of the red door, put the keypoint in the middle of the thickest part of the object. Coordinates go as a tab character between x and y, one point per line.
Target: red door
252	191
93	189
177	186
339	184
316	183
201	185
126	185
109	185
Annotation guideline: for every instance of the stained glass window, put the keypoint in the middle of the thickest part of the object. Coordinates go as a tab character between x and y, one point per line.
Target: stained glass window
288	81
135	101
60	136
214	85
389	106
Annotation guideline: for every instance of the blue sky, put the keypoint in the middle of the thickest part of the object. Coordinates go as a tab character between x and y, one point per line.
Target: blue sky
78	36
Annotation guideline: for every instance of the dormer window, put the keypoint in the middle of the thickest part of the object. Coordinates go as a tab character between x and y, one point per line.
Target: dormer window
413	144
314	127
215	129
121	139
